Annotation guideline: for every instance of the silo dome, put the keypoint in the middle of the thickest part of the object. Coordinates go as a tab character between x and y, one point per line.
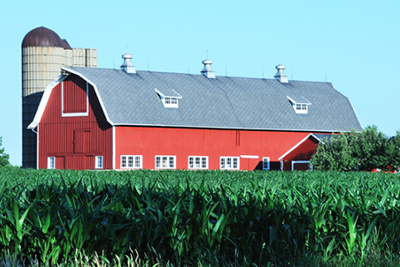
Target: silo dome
42	36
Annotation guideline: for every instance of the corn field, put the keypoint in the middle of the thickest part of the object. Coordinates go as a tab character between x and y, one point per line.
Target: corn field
200	218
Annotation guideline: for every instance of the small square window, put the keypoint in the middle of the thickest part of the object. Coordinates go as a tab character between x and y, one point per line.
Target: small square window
130	161
51	163
170	102
99	162
165	162
138	161
158	162
191	164
134	161
229	163
301	108
198	162
266	163
204	162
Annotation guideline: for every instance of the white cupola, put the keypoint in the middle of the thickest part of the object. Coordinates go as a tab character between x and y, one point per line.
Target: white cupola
207	70
127	65
280	74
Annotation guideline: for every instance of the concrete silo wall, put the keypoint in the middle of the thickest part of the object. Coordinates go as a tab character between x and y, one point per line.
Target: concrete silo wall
40	66
84	57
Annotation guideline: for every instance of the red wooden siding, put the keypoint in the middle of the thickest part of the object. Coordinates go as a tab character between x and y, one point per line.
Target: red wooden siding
303	152
214	143
74	141
74	97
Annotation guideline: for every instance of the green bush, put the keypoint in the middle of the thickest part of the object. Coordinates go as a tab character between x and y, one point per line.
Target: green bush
366	150
4	157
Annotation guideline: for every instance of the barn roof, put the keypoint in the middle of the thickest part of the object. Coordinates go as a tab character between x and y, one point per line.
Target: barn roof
222	102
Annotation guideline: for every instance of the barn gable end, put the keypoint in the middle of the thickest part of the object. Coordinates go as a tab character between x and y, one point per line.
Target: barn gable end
72	129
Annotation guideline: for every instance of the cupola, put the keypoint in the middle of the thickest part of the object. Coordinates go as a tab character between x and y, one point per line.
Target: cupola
280	74
127	65
207	70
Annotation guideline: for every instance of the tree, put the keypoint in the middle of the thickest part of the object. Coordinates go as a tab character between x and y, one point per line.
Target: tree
394	152
366	150
372	149
4	157
335	154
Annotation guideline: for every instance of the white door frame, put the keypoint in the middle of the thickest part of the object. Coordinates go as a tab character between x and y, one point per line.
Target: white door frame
301	161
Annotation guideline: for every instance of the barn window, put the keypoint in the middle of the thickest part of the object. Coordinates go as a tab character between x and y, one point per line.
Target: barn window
299	107
170	100
165	162
131	161
198	162
51	163
266	163
229	163
98	162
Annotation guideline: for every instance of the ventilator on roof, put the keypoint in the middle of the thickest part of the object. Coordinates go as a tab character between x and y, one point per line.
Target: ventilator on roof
280	75
207	70
127	65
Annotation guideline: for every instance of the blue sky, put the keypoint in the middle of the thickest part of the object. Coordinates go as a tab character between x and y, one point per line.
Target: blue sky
353	44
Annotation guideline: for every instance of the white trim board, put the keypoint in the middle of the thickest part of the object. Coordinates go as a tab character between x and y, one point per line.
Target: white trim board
249	156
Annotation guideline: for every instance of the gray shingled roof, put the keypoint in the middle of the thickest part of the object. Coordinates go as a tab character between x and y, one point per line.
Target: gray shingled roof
223	102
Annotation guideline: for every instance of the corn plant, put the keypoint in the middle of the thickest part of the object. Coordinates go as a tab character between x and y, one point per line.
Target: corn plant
199	217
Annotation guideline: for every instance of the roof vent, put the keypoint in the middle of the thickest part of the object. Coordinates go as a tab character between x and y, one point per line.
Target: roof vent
127	65
280	75
207	70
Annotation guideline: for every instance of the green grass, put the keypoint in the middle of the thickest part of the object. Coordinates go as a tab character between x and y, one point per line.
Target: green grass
202	218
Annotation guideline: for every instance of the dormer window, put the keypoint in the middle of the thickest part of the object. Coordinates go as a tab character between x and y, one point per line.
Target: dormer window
300	107
169	101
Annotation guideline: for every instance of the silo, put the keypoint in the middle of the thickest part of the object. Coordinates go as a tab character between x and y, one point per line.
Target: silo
43	54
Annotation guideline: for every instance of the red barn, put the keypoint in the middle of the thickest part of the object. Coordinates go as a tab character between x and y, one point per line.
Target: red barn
92	118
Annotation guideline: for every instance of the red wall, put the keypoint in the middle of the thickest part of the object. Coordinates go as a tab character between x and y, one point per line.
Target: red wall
181	142
74	141
303	152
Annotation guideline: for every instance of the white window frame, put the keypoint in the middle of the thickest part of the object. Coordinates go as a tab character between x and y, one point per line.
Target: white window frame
167	159
98	162
227	163
51	163
202	162
134	162
169	101
266	163
301	108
